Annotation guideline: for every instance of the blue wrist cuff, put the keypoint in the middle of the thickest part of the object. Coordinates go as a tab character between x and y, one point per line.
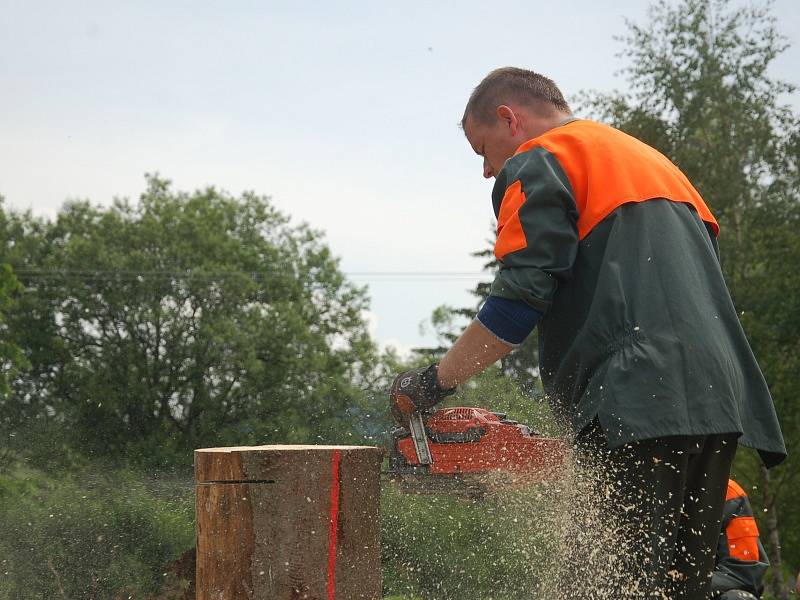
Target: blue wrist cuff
510	320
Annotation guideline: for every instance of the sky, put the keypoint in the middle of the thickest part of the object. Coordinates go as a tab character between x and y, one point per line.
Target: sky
344	113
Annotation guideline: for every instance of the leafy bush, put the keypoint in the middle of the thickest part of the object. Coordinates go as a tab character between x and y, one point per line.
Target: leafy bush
442	547
90	534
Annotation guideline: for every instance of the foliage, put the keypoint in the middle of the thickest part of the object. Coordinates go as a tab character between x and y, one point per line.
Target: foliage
441	547
186	320
701	92
11	356
92	533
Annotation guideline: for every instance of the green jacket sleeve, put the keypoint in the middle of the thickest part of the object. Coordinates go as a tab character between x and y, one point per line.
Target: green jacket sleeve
537	234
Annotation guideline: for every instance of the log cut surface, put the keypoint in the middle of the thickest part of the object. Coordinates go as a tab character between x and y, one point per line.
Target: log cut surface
288	522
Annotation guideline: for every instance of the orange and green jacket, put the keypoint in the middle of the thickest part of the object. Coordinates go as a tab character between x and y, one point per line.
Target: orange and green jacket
612	244
741	560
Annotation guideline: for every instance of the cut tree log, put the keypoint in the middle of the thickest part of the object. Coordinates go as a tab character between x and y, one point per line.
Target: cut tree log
288	523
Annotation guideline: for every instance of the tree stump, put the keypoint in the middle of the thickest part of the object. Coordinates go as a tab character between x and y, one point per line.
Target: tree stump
288	523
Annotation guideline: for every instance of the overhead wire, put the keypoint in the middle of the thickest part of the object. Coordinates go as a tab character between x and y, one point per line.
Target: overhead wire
374	276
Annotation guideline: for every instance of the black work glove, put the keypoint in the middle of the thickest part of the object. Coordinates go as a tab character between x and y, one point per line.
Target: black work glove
416	390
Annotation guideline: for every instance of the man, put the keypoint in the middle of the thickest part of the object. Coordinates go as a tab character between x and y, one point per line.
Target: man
607	247
741	560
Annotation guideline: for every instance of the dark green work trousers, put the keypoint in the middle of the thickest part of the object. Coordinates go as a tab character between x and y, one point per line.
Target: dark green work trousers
654	528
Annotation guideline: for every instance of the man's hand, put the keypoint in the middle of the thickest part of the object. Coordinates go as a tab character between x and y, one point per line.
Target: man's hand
415	390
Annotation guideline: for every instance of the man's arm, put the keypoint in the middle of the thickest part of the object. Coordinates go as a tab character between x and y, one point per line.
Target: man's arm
473	351
537	241
500	326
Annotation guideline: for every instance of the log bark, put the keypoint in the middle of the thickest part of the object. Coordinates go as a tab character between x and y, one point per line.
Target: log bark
288	523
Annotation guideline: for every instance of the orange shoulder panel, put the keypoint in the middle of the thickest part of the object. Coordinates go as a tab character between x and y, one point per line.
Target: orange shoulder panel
734	491
510	235
608	168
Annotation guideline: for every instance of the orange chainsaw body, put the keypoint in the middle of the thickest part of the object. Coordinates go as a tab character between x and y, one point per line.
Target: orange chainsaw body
473	441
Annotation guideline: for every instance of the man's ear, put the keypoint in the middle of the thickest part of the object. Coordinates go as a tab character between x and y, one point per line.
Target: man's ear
509	117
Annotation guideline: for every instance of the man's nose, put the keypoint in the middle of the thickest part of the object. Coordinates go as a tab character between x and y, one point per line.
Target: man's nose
488	172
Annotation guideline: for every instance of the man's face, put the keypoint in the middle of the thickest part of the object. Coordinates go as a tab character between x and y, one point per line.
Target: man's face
496	142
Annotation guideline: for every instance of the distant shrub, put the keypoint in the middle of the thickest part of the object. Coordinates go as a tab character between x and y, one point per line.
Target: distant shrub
439	547
90	534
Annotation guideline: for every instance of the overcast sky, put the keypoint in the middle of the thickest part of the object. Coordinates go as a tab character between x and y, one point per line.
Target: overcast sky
345	113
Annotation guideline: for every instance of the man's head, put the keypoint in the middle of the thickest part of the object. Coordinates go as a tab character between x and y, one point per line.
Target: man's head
509	107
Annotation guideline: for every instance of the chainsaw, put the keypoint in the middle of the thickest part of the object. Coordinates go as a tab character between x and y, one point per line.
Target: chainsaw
471	452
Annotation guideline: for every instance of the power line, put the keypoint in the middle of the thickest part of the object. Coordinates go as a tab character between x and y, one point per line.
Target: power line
120	274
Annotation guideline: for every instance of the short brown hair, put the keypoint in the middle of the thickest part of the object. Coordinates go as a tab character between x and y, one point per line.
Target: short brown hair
512	84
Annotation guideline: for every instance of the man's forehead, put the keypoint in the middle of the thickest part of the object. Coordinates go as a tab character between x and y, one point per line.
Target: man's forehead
469	124
473	132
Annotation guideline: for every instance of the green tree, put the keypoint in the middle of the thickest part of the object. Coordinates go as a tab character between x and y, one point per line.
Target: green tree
12	359
701	92
97	533
186	320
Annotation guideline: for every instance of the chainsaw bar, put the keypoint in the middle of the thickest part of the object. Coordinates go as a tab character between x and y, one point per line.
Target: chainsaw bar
417	428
